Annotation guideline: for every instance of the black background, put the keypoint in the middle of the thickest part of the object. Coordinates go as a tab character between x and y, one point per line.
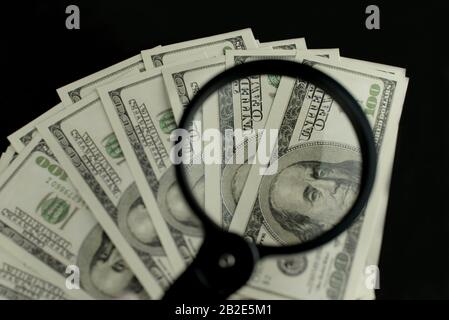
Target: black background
42	55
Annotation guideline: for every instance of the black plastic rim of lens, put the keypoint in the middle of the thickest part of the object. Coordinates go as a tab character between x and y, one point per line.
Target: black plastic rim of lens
345	100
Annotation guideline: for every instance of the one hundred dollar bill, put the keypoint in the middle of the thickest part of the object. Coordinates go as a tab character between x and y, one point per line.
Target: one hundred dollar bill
370	272
244	105
333	271
212	46
84	142
47	225
140	113
182	83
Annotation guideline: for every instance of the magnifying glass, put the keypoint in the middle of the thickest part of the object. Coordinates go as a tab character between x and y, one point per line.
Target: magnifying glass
315	183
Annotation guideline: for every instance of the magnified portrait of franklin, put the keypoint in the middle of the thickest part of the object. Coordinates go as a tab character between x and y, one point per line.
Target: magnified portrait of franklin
309	197
313	188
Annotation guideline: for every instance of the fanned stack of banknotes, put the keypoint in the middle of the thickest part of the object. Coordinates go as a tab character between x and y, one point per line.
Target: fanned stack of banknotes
82	186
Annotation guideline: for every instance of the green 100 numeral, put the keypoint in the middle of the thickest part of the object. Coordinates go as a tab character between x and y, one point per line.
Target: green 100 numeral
371	103
54	169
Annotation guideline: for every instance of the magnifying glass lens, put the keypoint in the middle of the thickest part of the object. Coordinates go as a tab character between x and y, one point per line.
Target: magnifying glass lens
272	158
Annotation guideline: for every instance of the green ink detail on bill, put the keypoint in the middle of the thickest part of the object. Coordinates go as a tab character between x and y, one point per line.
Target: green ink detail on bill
54	209
112	146
371	103
274	80
167	122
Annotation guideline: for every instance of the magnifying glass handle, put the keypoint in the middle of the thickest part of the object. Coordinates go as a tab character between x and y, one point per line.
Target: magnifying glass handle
224	263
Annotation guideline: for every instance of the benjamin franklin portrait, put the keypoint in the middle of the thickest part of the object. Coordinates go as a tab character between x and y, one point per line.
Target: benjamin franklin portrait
313	188
104	273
